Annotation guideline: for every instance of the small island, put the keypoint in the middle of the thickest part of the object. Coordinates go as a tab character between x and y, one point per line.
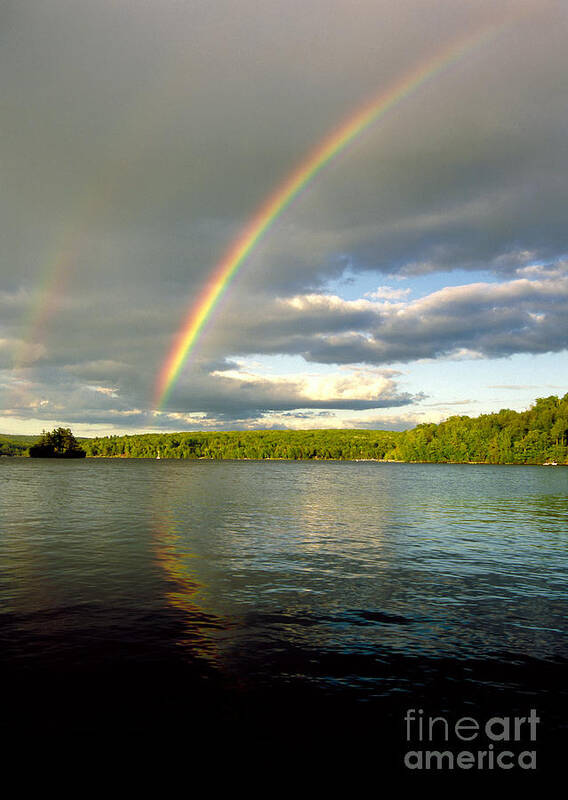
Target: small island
59	443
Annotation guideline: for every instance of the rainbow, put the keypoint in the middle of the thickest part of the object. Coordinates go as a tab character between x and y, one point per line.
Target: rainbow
48	299
61	262
276	203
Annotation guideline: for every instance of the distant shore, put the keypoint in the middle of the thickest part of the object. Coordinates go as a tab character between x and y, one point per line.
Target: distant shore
25	456
338	460
538	436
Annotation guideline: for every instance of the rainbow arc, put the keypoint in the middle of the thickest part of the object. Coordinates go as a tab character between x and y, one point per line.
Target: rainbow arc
258	226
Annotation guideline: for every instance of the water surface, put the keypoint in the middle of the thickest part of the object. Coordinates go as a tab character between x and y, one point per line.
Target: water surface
323	596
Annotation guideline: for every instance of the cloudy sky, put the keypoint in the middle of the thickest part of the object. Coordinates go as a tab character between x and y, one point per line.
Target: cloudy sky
422	273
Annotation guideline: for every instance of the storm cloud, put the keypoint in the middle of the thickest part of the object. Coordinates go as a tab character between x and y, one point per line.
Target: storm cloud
139	139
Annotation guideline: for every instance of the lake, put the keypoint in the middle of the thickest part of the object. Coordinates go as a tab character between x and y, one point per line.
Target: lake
260	598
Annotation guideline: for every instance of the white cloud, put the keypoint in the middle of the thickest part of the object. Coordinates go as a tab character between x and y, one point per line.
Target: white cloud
476	320
351	384
106	390
327	302
388	293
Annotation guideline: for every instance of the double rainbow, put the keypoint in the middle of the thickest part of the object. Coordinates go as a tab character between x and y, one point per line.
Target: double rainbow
268	213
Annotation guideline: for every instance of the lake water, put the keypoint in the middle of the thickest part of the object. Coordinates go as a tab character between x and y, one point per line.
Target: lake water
256	598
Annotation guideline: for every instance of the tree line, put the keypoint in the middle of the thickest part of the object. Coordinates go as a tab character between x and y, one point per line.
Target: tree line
285	444
535	436
15	444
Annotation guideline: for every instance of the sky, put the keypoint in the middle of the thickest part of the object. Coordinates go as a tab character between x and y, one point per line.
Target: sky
421	273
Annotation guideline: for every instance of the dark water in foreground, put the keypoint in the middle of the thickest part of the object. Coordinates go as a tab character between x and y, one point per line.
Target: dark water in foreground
264	599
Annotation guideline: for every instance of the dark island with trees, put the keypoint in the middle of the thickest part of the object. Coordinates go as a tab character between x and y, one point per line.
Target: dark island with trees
536	436
60	443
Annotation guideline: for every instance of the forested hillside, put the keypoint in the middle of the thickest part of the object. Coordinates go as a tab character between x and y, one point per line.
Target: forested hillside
331	444
508	437
15	445
535	436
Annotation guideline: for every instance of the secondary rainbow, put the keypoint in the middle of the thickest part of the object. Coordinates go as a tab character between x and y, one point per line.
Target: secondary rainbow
129	134
269	212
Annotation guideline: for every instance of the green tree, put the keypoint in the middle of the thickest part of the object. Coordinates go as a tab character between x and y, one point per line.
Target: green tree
59	443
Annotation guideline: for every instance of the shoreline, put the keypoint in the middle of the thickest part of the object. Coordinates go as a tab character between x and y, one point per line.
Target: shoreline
336	460
18	456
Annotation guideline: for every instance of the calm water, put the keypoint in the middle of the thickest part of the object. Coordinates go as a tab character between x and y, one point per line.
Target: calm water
264	596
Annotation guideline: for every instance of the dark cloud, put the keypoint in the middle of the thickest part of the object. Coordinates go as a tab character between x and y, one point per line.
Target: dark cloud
138	139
